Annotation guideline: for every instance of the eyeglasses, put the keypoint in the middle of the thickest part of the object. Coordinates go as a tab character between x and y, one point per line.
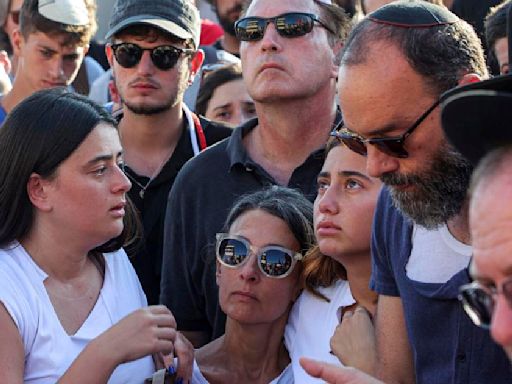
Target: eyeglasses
164	57
293	24
392	146
15	16
273	261
478	300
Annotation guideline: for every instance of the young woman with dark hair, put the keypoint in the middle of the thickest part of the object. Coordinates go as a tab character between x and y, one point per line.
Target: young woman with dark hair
71	306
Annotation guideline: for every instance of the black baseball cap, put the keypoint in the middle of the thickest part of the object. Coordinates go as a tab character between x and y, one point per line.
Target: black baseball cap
477	118
178	17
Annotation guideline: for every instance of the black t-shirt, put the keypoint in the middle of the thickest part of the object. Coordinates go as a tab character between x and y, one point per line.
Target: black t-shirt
146	257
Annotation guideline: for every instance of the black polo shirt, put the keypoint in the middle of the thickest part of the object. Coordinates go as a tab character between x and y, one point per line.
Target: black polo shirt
199	202
146	256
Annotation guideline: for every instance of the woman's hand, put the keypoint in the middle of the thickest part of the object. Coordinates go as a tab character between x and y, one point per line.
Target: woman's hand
143	332
353	341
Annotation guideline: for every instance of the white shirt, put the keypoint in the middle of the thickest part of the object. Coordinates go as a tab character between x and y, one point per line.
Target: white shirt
436	255
312	323
49	350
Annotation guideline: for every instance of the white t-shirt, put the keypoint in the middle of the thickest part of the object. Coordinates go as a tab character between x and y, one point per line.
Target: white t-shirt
286	377
436	255
49	350
312	323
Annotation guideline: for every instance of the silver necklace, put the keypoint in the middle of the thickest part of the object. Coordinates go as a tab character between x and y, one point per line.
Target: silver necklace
142	186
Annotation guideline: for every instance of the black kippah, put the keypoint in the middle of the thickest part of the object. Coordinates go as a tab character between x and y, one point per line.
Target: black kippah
413	14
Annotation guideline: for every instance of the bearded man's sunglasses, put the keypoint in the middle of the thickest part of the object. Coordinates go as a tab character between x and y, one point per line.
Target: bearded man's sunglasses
273	261
392	146
292	24
164	57
479	301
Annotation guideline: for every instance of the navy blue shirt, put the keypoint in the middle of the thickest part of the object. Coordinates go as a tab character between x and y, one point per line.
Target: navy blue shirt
447	347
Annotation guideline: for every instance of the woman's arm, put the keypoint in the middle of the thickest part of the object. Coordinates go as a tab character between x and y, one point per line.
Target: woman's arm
12	356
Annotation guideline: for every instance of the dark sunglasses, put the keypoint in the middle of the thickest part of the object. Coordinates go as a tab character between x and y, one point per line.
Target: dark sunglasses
392	146
15	16
478	301
292	24
273	261
164	57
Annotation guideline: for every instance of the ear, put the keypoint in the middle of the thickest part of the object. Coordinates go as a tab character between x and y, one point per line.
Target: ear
86	49
37	190
469	78
336	51
17	42
109	53
195	64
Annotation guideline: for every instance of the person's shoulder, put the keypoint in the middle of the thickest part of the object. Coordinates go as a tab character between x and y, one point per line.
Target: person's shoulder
214	131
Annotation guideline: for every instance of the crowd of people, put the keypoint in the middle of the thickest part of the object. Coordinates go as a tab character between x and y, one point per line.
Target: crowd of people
310	191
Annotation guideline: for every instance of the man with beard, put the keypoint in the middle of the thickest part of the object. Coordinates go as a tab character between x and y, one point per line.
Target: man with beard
227	12
395	65
154	57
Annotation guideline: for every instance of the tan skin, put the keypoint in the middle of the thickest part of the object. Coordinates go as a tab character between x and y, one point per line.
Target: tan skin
343	216
44	61
252	349
89	187
149	140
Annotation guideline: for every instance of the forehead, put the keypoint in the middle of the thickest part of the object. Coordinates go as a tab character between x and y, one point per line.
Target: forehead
269	8
491	223
56	42
340	159
382	87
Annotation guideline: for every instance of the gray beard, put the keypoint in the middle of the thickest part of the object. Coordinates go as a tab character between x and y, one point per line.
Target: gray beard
439	192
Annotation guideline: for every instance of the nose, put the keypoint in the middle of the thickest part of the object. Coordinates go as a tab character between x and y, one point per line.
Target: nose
379	163
120	183
57	69
145	65
270	40
501	326
328	202
236	117
250	271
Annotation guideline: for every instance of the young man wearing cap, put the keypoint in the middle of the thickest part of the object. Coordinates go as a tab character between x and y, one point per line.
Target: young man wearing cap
51	42
403	52
154	57
292	80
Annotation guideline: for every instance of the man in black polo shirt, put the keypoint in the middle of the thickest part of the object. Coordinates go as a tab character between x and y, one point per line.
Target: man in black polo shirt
154	57
292	80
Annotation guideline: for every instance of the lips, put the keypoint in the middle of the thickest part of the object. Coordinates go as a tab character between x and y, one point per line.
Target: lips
270	66
244	295
327	228
118	210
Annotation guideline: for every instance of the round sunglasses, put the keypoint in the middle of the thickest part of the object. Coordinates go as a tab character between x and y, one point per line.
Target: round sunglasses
292	24
273	261
392	146
164	57
478	301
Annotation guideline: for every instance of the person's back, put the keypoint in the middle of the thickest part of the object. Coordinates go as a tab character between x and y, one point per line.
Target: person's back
293	90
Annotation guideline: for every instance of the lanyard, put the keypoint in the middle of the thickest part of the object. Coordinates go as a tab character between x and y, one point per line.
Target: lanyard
197	137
